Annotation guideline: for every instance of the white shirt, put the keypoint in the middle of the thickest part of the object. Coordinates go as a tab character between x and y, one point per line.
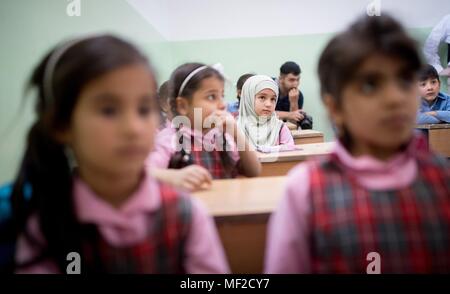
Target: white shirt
440	33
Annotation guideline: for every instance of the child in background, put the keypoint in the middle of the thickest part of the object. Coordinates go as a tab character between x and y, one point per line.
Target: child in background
377	193
434	105
233	108
84	165
257	119
196	95
164	107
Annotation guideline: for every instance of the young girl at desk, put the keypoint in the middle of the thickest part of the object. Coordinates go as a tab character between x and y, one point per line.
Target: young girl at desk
84	167
206	142
257	119
378	203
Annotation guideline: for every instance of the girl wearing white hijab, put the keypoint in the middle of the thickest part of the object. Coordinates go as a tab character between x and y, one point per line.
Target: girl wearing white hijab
257	118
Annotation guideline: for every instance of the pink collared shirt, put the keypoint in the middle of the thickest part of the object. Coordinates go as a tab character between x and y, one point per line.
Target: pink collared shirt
166	144
287	249
127	225
285	137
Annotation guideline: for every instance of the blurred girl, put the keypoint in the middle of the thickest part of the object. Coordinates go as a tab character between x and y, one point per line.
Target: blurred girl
84	164
377	197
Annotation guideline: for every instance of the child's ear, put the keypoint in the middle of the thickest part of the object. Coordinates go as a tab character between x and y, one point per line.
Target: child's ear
334	110
182	105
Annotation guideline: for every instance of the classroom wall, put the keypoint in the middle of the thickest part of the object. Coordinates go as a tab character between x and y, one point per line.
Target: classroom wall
28	29
180	20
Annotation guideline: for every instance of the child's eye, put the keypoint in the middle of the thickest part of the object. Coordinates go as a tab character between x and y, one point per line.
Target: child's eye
273	100
211	97
144	110
108	111
368	87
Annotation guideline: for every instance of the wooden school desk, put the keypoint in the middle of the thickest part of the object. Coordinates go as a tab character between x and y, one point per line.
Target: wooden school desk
307	136
241	209
278	164
438	137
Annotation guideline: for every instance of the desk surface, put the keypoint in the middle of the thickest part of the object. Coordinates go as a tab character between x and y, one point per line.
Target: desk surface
306	133
244	196
305	151
433	126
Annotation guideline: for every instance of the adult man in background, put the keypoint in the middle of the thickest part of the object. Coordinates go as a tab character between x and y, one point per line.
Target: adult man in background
290	101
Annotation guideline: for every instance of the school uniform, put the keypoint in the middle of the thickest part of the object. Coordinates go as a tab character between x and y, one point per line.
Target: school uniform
204	149
233	107
285	137
156	230
349	207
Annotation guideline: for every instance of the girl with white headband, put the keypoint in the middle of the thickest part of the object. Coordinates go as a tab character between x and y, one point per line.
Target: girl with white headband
205	145
257	118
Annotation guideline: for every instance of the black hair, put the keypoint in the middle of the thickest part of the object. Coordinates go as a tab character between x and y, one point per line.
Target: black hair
367	36
163	92
343	55
163	98
241	81
45	167
178	77
290	67
428	72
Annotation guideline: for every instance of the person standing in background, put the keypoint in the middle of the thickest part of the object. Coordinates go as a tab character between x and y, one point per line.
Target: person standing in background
440	33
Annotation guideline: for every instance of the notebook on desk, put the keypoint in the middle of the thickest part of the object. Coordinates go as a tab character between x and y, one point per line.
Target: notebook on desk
275	149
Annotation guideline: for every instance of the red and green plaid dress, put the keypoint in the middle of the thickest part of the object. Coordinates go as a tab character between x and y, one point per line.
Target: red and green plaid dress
408	227
214	157
161	252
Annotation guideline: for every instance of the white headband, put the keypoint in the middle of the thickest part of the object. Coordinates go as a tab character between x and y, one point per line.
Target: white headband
216	66
51	65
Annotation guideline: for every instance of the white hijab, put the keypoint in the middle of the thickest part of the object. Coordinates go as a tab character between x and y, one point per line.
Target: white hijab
261	131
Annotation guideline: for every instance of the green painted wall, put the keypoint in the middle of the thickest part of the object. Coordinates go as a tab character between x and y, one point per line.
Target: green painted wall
28	29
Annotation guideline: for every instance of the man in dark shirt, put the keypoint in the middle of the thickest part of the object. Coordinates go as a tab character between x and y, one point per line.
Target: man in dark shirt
290	101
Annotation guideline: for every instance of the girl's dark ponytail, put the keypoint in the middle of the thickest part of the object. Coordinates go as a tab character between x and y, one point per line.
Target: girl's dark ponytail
45	170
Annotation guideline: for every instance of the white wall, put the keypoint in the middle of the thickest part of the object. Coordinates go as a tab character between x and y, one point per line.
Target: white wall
180	20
